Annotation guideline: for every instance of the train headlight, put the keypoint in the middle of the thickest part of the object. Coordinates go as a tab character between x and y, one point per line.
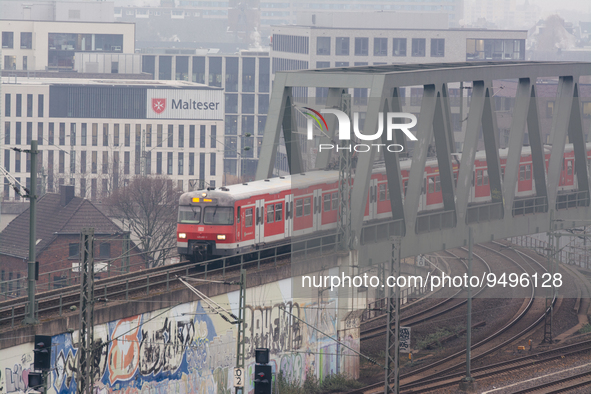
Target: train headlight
182	235
221	237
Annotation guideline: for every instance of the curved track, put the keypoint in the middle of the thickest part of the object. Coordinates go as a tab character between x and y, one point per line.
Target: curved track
486	350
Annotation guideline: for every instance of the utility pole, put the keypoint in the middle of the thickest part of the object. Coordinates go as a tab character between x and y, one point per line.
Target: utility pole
549	295
85	375
240	329
143	155
393	335
345	164
468	383
30	317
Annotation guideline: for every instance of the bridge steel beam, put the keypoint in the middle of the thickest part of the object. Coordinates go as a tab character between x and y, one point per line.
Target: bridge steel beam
434	129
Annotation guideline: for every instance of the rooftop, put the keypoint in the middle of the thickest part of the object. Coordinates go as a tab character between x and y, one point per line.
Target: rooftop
108	82
53	218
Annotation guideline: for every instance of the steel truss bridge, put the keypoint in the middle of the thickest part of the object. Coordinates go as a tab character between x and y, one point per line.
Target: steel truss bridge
422	232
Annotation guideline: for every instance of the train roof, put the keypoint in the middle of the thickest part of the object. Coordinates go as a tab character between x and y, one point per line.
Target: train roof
302	181
268	186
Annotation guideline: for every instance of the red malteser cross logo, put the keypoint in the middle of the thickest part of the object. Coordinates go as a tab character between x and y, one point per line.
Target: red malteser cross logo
158	105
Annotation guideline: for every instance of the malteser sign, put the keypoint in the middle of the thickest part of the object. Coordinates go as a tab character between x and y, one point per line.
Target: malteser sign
184	104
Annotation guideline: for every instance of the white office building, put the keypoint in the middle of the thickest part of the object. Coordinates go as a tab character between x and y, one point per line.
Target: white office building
48	45
97	134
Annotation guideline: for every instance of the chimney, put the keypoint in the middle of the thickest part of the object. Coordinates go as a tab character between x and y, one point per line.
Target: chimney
66	194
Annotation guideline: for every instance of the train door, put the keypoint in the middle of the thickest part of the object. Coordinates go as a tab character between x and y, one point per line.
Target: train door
317	209
288	215
371	205
568	172
259	222
238	224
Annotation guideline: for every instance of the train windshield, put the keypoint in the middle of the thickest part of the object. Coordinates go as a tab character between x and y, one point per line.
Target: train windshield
190	215
218	215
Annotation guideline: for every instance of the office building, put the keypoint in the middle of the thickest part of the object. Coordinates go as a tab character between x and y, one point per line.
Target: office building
97	134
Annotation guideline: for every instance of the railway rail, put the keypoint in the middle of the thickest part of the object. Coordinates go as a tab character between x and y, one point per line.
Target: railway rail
580	380
450	359
439	309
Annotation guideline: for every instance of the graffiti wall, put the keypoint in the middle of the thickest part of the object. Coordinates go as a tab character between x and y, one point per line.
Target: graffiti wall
191	349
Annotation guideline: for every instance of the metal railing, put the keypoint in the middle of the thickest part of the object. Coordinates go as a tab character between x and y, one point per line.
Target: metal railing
567	255
572	200
378	232
527	206
59	300
484	212
434	221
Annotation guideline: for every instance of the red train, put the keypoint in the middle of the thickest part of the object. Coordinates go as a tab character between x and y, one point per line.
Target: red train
241	218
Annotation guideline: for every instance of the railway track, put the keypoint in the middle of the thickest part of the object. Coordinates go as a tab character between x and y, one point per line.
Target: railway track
568	384
127	286
441	382
450	359
439	309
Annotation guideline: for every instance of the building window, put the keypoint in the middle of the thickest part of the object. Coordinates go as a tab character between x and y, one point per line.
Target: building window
7	97
62	159
83	134
361	46
380	46
322	65
40	106
248	74
105	162
26	40
181	163
74	251
149	135
495	49
191	163
7	40
231	74
82	162
191	136
29	132
181	136
169	163
115	135
202	136
323	46
72	162
198	69
62	136
17	133
215	71
342	46
127	135
418	46
126	162
587	109
29	105
212	164
213	133
437	47
159	163
94	159
231	103
40	133
19	105
264	75
248	103
105	134
95	134
159	135
170	135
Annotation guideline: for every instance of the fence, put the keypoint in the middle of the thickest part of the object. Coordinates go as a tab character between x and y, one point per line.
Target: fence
568	254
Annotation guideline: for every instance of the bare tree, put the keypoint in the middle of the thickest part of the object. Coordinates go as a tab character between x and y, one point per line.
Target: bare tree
150	206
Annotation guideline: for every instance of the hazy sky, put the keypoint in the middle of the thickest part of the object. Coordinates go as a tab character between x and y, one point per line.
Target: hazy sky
582	7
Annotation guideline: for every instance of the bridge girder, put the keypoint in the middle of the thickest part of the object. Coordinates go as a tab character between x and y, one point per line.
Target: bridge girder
501	218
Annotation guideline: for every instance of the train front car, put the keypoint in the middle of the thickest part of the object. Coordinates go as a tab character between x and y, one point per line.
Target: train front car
205	227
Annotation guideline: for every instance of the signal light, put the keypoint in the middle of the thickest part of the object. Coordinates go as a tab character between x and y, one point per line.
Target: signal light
261	355
42	352
35	380
262	379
